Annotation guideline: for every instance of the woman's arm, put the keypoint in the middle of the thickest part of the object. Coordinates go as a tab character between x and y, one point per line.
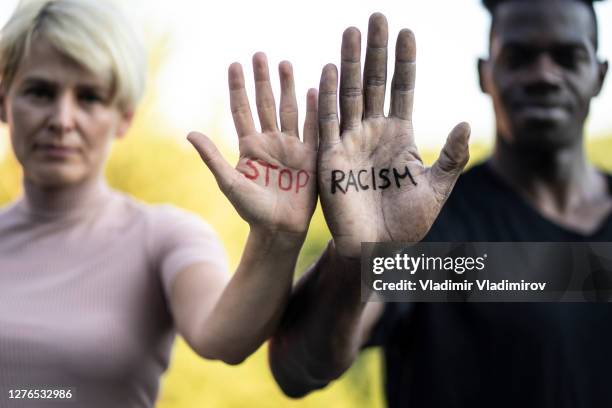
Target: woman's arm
229	321
273	188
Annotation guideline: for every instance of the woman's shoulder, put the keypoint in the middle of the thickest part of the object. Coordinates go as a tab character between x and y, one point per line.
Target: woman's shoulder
162	217
9	213
6	208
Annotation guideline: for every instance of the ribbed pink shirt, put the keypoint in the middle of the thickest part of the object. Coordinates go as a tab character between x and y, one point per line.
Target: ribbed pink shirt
84	292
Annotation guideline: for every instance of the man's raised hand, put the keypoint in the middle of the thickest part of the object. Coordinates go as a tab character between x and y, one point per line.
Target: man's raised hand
273	186
373	184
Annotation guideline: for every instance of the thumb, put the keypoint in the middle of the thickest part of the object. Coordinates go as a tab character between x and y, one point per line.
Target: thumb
452	160
219	167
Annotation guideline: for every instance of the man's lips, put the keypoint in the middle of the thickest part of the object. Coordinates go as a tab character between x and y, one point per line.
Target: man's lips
540	103
542	110
541	106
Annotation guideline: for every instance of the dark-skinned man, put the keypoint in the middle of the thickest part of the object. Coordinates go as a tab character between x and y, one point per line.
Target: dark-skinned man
541	75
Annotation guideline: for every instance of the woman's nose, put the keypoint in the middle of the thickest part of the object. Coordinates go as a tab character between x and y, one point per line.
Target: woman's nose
63	117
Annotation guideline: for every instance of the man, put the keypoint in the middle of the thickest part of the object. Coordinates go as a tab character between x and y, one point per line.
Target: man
541	75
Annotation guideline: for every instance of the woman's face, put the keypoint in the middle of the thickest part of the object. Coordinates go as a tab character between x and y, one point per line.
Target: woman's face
60	117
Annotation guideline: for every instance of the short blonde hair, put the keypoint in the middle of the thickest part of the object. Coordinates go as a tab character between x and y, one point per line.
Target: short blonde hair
91	32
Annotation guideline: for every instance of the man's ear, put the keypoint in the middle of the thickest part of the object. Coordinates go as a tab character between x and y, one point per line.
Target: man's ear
483	71
124	123
2	105
603	71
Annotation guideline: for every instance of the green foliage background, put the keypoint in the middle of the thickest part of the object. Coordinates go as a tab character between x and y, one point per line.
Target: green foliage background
154	164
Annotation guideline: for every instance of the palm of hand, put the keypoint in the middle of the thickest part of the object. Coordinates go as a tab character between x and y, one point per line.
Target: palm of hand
373	184
277	184
273	186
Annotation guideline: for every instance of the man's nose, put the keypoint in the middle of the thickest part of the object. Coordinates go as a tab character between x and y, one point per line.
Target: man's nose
544	73
63	117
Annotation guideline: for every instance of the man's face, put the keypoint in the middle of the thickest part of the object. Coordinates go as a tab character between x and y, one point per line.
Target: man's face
60	119
542	72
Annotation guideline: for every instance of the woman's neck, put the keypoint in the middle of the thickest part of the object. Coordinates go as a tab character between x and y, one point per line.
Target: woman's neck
51	203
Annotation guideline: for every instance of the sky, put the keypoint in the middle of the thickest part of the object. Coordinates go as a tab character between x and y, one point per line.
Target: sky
203	38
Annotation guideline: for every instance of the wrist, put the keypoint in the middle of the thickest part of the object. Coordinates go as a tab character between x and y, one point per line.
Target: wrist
349	258
346	252
347	271
276	240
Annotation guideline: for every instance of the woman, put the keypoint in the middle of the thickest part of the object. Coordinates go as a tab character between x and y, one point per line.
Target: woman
93	284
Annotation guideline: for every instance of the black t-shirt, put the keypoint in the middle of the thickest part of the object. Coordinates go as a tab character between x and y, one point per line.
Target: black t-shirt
497	354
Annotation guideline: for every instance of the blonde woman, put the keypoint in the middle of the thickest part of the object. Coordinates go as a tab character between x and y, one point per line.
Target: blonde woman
93	284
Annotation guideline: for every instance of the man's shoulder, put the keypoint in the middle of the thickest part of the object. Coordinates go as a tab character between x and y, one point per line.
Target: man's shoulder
477	177
608	177
475	187
478	198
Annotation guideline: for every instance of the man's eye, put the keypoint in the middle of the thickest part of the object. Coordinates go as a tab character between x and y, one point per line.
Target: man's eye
517	58
569	57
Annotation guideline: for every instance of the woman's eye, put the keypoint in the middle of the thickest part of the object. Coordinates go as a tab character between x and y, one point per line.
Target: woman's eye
90	97
39	93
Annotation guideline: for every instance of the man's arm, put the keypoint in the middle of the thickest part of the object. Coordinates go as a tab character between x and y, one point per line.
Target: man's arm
324	327
373	188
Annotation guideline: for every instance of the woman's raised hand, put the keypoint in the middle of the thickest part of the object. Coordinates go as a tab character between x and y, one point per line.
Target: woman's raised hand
273	186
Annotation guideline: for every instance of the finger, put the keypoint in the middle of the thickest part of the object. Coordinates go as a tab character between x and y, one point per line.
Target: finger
239	101
266	108
351	97
219	167
329	128
311	124
375	68
453	158
288	103
402	86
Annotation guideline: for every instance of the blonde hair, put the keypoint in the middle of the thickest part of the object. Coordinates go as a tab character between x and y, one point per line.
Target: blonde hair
90	32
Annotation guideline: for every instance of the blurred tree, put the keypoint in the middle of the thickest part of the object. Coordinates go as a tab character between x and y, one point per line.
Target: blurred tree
154	164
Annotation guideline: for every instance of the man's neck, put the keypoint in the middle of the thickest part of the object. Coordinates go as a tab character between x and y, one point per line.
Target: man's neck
557	180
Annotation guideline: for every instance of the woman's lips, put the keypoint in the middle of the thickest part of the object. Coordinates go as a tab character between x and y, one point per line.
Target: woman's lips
55	151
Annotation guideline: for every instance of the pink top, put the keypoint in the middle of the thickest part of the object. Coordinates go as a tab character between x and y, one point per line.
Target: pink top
84	294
